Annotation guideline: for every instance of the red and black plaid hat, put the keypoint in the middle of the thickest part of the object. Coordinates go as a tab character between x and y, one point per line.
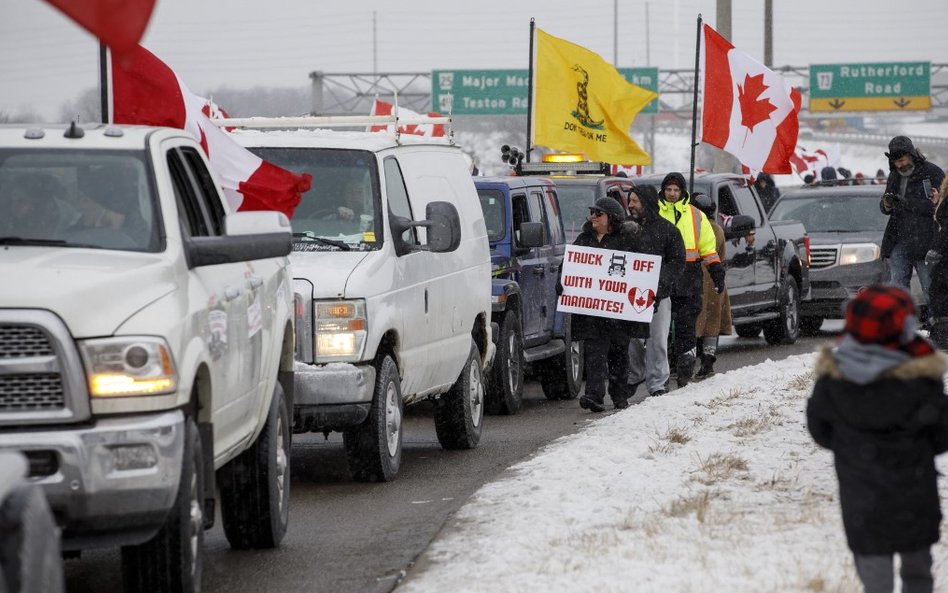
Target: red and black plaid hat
877	315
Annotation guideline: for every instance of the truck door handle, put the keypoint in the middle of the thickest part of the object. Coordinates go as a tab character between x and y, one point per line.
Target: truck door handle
231	293
539	271
555	269
256	282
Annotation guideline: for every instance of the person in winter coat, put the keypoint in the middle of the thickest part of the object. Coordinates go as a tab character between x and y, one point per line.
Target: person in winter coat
698	236
937	258
766	189
648	358
909	191
715	317
879	405
606	340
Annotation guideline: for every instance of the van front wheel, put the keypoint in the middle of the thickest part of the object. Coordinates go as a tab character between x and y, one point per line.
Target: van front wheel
459	413
374	448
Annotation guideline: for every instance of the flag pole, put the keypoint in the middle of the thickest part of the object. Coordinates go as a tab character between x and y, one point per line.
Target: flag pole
694	110
530	93
104	82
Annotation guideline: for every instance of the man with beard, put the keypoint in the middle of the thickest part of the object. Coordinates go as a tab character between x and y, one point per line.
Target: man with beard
648	358
909	192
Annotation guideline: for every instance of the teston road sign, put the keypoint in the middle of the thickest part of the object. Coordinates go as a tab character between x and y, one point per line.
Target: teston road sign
885	86
504	92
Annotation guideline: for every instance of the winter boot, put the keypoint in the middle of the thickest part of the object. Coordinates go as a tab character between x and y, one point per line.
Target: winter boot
592	403
707	361
686	367
939	332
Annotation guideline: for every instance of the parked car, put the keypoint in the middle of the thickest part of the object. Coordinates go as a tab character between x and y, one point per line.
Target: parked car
146	340
527	243
845	227
767	260
392	263
30	558
577	193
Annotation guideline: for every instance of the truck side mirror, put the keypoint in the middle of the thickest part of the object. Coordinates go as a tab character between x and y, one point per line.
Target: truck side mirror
531	234
741	226
442	222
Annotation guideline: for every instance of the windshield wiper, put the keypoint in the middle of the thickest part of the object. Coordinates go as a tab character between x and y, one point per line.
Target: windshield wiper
11	240
322	240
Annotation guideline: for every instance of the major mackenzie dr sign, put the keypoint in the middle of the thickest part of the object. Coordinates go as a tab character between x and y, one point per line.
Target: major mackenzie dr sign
881	86
504	92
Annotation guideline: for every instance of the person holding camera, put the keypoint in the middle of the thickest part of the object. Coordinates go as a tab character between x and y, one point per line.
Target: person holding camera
908	201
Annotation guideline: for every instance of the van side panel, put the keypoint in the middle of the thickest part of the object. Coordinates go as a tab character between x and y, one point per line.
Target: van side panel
457	290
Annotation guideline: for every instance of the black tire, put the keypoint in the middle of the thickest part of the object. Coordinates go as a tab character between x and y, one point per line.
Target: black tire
505	383
810	326
30	559
172	561
786	329
255	485
748	330
374	448
459	413
562	376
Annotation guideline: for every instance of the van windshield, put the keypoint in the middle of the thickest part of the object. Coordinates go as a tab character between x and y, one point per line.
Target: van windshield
78	198
342	210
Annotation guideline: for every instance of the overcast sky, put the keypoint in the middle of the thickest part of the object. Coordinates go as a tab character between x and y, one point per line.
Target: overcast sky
45	59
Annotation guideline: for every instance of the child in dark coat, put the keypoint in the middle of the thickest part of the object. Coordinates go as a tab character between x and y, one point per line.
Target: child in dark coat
879	405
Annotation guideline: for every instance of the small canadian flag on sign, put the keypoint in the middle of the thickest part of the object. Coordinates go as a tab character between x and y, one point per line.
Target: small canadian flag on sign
641	299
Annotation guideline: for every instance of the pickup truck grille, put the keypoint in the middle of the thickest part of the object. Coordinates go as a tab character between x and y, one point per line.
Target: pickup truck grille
41	376
823	257
31	391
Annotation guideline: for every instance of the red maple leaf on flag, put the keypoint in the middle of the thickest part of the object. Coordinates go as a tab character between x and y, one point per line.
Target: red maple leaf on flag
753	110
640	301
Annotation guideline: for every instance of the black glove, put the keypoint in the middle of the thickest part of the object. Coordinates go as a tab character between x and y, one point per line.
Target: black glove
932	257
717	276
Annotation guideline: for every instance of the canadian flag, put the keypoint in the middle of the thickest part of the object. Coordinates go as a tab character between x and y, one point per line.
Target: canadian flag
804	161
385	108
146	91
749	110
119	25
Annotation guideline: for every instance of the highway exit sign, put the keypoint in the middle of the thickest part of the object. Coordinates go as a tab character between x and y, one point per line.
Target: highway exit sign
504	92
879	86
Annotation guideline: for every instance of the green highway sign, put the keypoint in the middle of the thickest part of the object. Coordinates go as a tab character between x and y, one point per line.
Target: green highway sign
879	86
504	92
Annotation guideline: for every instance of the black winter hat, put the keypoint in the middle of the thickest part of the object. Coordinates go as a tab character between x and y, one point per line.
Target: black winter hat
611	207
899	146
704	203
676	178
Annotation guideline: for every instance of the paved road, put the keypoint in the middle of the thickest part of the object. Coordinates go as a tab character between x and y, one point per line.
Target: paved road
352	537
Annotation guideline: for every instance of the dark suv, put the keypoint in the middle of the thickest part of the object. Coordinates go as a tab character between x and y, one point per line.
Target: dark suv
525	232
845	227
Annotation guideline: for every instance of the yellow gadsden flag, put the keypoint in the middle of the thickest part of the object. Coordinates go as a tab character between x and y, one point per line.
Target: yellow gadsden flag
582	104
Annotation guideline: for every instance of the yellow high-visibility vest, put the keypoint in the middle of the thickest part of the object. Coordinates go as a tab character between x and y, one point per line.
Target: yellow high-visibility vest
695	230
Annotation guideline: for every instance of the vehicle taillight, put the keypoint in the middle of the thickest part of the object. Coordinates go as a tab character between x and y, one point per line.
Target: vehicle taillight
806	245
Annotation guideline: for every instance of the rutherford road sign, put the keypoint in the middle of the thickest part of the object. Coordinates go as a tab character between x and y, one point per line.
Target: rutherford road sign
881	86
504	92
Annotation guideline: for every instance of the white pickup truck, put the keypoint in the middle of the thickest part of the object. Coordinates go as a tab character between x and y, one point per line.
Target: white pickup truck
146	340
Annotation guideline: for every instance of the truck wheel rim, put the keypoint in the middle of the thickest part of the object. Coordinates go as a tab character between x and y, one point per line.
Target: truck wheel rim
574	360
393	419
280	463
475	392
792	321
195	522
513	363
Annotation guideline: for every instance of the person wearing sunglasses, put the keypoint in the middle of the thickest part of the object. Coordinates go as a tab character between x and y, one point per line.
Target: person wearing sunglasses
606	340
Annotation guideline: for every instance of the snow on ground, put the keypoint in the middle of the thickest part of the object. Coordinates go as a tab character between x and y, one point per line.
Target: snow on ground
714	487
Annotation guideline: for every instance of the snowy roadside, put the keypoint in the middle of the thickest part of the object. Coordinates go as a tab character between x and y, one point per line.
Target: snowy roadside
714	487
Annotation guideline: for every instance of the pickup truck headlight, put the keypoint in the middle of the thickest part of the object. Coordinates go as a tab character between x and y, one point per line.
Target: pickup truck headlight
128	366
339	330
858	253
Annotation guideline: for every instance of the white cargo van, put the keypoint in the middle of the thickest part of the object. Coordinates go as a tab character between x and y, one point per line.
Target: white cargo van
392	259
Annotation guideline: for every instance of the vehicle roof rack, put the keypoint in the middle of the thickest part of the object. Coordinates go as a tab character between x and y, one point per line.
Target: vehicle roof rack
576	168
331	121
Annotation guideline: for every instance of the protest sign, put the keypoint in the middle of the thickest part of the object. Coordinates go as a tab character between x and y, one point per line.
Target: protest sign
607	283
